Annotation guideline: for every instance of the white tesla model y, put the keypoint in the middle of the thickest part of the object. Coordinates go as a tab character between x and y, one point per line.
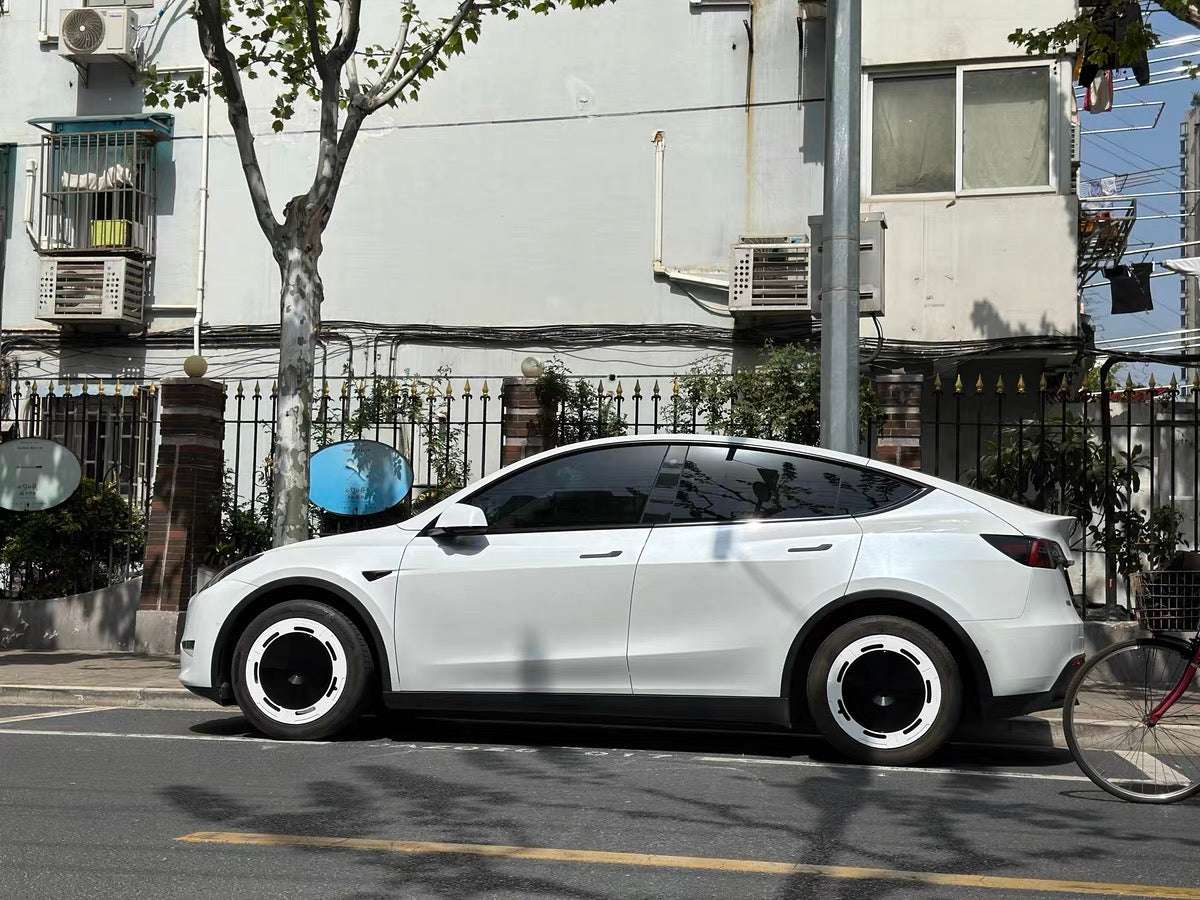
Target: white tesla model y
665	578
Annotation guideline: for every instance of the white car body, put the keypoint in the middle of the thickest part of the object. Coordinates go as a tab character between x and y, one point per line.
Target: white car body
712	620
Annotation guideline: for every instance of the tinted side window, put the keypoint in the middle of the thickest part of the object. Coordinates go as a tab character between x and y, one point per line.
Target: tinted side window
864	491
595	488
728	484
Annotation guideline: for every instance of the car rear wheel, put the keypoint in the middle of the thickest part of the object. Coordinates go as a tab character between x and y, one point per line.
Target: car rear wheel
884	690
302	671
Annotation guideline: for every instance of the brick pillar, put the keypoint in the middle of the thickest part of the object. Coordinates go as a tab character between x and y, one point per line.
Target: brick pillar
899	435
185	511
521	425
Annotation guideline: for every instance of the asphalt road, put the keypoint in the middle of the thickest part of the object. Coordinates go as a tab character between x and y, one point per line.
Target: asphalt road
128	803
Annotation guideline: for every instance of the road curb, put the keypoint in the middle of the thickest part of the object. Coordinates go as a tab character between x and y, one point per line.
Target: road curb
79	695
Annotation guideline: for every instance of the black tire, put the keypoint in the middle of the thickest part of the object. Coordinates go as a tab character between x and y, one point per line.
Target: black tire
302	671
884	690
1104	718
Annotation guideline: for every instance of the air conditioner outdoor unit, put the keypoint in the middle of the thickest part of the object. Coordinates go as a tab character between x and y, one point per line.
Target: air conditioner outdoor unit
91	290
872	228
770	277
91	35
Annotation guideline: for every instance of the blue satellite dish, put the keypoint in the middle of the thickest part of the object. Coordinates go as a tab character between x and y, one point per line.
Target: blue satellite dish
358	478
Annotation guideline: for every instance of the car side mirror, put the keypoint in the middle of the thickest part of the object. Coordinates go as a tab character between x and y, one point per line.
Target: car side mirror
460	519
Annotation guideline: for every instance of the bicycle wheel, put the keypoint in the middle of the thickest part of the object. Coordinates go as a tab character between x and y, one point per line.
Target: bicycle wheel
1104	717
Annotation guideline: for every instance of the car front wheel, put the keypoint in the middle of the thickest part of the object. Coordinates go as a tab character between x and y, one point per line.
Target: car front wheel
302	671
884	690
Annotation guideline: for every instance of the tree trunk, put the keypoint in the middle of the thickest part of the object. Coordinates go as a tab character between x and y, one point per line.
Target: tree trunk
300	315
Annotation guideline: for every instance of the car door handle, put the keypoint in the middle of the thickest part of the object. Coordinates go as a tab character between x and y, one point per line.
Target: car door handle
814	549
609	555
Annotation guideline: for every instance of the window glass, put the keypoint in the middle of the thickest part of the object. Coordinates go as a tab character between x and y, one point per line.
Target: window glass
729	484
912	134
1006	128
595	488
865	491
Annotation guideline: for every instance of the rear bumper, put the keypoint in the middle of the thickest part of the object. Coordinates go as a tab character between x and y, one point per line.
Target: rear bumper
1023	704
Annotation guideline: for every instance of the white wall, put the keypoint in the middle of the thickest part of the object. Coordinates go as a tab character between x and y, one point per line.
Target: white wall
519	190
897	32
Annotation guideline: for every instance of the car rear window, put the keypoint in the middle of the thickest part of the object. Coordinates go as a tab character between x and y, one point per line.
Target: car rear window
867	491
729	484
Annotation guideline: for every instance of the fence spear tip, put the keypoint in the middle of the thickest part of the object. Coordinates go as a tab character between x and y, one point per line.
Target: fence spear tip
937	383
958	385
1042	383
483	391
1000	384
979	384
1020	384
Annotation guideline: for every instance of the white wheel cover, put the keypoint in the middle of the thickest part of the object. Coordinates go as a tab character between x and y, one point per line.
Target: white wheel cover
322	638
920	661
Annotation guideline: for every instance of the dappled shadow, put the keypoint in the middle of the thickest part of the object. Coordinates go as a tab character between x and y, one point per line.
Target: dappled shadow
557	794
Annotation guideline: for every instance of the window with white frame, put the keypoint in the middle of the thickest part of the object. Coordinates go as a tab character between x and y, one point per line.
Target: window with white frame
973	129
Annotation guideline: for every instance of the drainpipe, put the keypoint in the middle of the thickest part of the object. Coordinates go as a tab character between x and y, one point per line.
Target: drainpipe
675	275
660	148
30	191
202	244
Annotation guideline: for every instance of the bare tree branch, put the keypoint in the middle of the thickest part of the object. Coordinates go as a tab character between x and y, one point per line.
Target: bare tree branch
354	119
347	37
212	43
314	37
390	69
390	93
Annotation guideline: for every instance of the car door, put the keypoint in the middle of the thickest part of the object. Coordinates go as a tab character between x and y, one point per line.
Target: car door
748	543
540	602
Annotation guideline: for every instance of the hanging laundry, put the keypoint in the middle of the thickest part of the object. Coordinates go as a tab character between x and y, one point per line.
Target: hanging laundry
1099	98
1114	20
1130	287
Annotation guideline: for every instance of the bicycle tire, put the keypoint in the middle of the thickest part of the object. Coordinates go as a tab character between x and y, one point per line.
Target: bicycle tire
1104	720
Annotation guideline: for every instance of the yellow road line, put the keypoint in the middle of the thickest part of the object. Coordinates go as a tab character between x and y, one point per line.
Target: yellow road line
56	714
652	860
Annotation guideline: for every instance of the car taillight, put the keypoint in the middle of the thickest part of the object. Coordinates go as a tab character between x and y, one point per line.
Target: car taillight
1037	553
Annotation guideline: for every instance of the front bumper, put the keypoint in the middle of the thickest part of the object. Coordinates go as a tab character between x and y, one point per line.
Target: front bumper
206	613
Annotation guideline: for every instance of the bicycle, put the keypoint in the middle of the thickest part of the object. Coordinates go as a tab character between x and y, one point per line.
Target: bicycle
1132	719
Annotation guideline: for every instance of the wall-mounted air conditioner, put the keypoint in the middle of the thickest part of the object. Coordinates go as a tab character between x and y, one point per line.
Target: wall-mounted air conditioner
91	290
97	34
770	275
871	229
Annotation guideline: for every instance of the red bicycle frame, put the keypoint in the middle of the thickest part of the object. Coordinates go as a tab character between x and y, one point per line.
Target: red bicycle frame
1185	680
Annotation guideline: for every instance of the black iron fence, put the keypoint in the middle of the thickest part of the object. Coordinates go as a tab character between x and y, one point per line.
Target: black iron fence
96	537
1131	481
1123	461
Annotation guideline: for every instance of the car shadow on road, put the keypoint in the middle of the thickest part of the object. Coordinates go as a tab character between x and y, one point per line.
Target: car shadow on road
638	736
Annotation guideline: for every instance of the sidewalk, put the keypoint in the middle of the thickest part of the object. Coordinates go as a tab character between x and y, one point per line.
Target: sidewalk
93	678
113	678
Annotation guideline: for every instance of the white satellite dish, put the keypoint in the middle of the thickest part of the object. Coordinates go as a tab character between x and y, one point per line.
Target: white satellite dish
36	474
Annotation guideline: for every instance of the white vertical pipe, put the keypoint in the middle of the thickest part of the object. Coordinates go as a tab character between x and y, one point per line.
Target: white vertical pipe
30	191
202	244
660	147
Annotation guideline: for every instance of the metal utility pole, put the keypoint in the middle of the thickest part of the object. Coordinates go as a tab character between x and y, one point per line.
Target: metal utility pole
839	245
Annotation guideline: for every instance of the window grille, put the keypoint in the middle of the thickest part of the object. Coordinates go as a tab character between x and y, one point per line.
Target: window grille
98	192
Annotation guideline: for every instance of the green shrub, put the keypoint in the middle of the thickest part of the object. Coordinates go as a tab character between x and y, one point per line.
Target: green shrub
88	542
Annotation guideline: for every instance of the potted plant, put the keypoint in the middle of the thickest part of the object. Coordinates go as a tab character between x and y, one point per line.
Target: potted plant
1168	593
